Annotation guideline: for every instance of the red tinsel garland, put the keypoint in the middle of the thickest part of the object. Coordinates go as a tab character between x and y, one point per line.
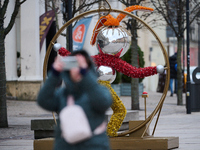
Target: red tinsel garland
115	62
123	66
63	52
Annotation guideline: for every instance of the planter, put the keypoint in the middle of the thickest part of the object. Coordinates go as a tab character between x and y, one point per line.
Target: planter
126	89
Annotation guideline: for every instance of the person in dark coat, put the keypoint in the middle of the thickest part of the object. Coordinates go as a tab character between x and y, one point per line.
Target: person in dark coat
173	72
81	83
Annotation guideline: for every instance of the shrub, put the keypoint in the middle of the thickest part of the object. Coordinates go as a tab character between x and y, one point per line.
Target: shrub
127	58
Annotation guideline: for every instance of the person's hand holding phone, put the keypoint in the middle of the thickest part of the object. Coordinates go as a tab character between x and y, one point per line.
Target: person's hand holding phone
58	65
75	74
82	61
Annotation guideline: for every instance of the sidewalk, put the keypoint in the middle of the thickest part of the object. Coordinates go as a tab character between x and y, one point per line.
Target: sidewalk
173	122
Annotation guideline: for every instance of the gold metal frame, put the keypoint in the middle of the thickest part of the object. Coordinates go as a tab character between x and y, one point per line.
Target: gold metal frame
158	108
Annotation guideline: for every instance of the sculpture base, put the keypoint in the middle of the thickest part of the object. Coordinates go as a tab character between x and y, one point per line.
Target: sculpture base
123	143
146	143
43	144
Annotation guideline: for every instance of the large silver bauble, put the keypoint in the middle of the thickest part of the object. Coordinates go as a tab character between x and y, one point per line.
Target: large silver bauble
112	40
160	69
106	73
56	46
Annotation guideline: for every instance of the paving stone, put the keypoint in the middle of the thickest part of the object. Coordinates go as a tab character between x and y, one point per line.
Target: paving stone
173	121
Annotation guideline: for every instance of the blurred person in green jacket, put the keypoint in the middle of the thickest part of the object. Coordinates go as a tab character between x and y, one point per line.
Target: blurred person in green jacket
81	83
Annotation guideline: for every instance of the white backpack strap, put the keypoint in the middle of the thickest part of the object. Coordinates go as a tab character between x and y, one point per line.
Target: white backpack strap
70	100
100	129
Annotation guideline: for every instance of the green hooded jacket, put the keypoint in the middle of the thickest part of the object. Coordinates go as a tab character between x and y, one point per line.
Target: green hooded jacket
94	98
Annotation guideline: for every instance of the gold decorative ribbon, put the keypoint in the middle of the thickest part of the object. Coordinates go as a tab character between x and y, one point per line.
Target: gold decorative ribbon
119	111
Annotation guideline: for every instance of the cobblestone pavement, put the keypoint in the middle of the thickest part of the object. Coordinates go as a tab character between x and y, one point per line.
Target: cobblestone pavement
173	121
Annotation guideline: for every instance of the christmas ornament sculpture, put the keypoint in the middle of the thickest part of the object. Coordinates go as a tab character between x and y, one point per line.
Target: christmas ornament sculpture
112	61
113	42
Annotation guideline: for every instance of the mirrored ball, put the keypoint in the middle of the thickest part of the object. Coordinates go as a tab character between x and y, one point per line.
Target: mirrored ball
106	73
112	39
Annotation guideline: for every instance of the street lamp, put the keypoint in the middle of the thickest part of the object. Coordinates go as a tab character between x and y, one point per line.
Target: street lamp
69	6
67	9
188	101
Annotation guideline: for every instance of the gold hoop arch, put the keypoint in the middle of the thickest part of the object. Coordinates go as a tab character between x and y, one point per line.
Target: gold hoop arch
158	108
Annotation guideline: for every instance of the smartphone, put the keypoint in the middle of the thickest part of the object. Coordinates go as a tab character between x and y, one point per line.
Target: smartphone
69	62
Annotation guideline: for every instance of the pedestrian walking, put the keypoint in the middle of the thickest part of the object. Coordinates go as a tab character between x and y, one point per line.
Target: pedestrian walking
173	73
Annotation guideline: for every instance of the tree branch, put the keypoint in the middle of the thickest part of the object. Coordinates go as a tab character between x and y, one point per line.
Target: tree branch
167	16
4	8
14	14
85	5
22	2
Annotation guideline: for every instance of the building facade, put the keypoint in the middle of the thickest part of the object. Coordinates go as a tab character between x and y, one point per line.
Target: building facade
24	59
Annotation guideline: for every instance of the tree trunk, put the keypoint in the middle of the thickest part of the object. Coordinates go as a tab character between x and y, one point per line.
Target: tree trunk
3	107
134	62
134	81
179	73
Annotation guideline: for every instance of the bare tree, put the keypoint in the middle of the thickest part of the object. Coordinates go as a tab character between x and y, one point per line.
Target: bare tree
134	26
78	6
3	32
84	5
173	13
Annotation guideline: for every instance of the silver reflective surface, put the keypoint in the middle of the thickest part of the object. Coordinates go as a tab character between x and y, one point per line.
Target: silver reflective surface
112	40
106	73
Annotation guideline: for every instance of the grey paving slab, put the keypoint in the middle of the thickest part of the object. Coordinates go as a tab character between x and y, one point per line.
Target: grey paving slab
173	121
16	144
30	147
